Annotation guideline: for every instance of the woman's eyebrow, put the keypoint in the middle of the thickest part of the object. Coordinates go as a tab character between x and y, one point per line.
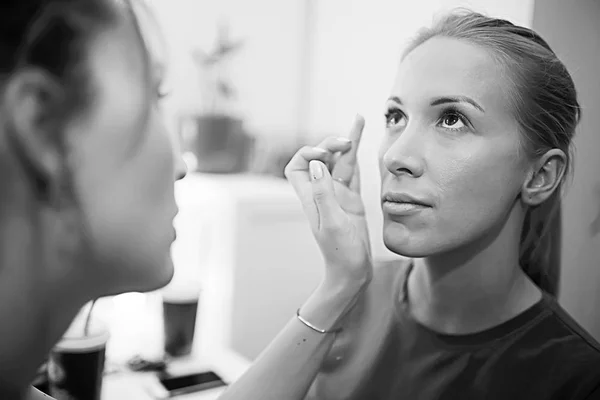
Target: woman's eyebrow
395	99
457	99
445	100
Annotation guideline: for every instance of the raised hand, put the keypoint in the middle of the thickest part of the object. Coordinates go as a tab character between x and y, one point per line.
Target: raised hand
333	205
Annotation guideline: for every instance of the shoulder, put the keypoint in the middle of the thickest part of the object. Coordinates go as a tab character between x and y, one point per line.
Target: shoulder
594	395
568	326
563	334
573	354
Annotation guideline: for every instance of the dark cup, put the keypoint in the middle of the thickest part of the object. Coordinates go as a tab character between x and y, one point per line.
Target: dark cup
76	366
179	320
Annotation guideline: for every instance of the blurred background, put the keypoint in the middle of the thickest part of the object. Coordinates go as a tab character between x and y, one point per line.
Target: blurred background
295	72
251	82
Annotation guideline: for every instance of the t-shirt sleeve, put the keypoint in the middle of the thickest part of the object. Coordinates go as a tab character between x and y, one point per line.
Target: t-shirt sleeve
595	394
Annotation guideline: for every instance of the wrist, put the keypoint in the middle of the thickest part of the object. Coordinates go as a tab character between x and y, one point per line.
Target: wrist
329	304
349	276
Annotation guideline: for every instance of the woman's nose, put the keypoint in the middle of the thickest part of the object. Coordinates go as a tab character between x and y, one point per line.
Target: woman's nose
402	156
181	169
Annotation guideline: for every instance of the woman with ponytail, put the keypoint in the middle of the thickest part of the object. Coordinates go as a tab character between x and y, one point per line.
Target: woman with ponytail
479	126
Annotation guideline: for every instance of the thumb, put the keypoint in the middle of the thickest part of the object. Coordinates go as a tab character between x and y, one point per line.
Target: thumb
331	215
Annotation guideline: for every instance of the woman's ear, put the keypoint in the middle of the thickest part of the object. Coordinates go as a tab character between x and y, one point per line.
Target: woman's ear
33	105
544	177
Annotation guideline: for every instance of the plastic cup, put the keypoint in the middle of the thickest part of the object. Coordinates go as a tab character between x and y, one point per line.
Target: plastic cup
180	307
76	365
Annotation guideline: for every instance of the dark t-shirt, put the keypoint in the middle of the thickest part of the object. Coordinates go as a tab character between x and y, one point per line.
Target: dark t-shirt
385	354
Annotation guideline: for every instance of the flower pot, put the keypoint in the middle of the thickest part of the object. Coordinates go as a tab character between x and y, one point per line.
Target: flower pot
219	143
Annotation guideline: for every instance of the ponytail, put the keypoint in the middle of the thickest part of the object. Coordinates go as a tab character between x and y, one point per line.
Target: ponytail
541	240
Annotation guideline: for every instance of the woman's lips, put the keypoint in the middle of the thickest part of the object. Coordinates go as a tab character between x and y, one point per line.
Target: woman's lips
173	223
402	208
397	203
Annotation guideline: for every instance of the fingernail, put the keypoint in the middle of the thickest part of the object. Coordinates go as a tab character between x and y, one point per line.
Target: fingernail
316	170
344	140
359	119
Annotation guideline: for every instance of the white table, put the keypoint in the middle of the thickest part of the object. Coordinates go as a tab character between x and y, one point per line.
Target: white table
229	237
134	386
135	323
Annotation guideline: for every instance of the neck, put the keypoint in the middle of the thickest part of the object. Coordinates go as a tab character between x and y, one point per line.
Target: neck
473	288
35	307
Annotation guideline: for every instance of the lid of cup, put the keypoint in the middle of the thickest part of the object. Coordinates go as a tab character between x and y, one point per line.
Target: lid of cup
181	292
75	339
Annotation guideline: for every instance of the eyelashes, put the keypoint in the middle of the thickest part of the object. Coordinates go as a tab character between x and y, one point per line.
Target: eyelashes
393	116
161	93
453	120
449	119
161	89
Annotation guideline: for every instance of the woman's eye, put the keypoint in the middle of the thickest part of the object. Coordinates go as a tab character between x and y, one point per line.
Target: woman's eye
162	93
161	89
395	118
453	121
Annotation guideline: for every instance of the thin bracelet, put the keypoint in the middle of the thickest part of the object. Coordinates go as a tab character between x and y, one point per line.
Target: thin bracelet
314	328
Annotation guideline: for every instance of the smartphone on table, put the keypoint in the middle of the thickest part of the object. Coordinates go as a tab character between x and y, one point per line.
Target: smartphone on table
169	386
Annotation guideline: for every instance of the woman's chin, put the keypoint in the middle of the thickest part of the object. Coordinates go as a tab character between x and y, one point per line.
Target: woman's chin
163	275
404	250
150	277
401	241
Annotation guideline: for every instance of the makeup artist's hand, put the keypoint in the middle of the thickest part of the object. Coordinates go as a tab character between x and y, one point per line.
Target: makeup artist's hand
327	181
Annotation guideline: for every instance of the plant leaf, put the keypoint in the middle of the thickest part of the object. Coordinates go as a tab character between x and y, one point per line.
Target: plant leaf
225	89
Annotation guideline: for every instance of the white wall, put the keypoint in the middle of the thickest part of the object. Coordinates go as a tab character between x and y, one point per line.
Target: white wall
265	72
573	31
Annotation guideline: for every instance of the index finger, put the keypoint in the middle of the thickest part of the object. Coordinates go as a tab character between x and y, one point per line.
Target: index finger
345	166
296	170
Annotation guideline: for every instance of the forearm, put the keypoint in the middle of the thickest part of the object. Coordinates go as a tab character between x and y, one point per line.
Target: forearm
287	368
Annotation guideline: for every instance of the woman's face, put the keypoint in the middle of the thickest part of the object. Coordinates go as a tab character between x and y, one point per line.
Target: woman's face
451	144
125	164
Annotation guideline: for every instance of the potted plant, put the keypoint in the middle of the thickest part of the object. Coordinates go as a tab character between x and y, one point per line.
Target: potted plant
218	140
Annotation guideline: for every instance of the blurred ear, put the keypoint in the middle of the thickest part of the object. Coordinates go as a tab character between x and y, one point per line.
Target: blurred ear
544	177
34	107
